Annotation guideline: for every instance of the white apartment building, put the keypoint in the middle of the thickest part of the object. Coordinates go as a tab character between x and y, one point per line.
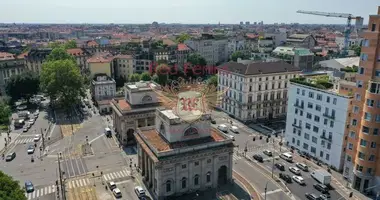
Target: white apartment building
256	90
236	44
266	45
103	87
316	122
351	41
211	49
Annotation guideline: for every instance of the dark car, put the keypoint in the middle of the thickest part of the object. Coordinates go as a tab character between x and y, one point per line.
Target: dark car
280	166
213	121
258	158
312	196
286	178
10	157
29	186
322	188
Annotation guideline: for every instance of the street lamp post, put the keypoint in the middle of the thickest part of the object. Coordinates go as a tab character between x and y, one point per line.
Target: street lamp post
265	190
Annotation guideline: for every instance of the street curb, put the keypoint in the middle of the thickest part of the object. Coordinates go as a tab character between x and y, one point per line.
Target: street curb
241	179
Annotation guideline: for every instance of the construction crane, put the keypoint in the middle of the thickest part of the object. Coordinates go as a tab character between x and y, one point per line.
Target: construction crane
347	31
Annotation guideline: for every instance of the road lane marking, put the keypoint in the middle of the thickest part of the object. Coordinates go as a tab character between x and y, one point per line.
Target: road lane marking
96	138
271	192
77	183
51	130
49	189
120	175
46	189
70	185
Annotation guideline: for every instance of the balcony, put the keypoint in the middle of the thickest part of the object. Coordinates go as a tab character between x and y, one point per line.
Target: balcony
298	106
328	116
363	174
326	138
297	126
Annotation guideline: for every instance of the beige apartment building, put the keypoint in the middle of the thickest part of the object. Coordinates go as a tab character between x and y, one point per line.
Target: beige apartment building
362	163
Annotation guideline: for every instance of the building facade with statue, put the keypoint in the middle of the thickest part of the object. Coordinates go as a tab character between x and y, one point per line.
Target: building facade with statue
137	109
177	157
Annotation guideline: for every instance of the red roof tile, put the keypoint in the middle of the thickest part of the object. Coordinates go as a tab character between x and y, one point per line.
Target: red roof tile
75	52
6	56
182	47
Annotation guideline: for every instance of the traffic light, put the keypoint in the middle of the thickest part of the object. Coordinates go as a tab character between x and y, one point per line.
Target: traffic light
351	194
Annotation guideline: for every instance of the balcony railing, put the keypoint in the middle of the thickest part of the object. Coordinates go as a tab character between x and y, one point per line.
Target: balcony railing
328	116
299	106
326	138
296	126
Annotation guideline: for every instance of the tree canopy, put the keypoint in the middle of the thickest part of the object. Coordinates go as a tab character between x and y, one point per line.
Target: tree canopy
196	59
134	78
62	81
5	113
239	54
59	54
146	76
213	80
23	85
10	189
182	38
70	44
357	49
162	74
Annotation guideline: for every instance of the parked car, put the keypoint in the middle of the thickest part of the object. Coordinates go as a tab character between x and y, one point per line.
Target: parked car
36	138
303	167
140	192
223	128
324	197
117	193
29	186
31	121
112	185
280	166
312	196
30	149
25	129
234	129
10	157
258	158
286	178
267	152
322	188
213	121
295	170
299	180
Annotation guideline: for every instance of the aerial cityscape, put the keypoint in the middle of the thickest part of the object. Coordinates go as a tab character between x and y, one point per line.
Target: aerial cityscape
199	110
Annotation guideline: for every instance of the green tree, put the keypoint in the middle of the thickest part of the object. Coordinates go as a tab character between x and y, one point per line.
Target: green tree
196	59
71	44
54	45
134	78
146	76
162	74
23	85
59	54
213	80
357	49
5	113
62	81
10	189
239	54
120	81
182	38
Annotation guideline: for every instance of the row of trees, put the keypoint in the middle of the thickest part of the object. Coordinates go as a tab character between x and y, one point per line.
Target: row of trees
71	44
10	189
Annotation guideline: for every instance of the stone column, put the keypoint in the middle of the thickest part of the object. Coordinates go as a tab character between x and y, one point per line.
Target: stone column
230	163
142	163
146	122
146	168
150	173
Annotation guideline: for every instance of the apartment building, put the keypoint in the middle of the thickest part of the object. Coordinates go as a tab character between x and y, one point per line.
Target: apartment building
101	64
124	65
34	58
300	57
213	50
9	66
353	40
362	163
257	90
316	119
81	56
301	41
182	53
266	44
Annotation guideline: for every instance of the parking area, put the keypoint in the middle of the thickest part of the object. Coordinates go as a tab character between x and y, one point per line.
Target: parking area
127	190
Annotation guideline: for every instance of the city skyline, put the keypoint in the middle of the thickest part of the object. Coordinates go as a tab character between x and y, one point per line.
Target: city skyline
170	11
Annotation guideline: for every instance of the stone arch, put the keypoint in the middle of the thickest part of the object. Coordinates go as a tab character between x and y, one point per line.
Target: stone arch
208	177
222	175
190	131
196	179
146	99
162	129
169	185
184	183
130	137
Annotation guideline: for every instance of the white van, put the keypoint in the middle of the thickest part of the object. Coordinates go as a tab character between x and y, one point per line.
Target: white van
223	128
140	192
234	129
287	156
108	132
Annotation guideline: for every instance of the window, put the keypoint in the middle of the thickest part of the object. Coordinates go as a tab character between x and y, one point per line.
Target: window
371	158
319	97
310	105
348	158
327	156
373	145
318	107
369	170
352	134
208	177
354	122
350	146
375	131
359	84
321	154
303	92
325	121
311	94
315	129
183	183
377	119
332	124
359	168
361	156
208	160
307	136
196	163
308	126
370	102
334	101
316	118
373	27
184	166
308	115
298	91
377	73
314	139
367	116
361	70
305	146
365	129
168	186
355	109
196	180
328	99
364	57
363	142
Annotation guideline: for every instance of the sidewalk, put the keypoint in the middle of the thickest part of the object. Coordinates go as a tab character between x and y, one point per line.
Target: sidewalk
4	136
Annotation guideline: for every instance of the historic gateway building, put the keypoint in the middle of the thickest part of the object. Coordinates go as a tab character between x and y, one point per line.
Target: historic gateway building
176	157
136	110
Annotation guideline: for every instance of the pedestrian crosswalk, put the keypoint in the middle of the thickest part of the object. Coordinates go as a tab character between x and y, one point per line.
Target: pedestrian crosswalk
236	157
40	192
24	140
77	183
116	175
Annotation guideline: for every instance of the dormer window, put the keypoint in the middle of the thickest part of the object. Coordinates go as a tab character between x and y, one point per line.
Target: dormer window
191	131
146	99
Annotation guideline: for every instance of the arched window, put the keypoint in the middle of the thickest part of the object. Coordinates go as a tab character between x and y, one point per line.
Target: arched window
168	185
196	179
183	181
162	129
146	98
208	177
191	131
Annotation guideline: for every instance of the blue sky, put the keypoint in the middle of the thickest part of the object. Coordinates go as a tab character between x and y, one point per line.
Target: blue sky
179	11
